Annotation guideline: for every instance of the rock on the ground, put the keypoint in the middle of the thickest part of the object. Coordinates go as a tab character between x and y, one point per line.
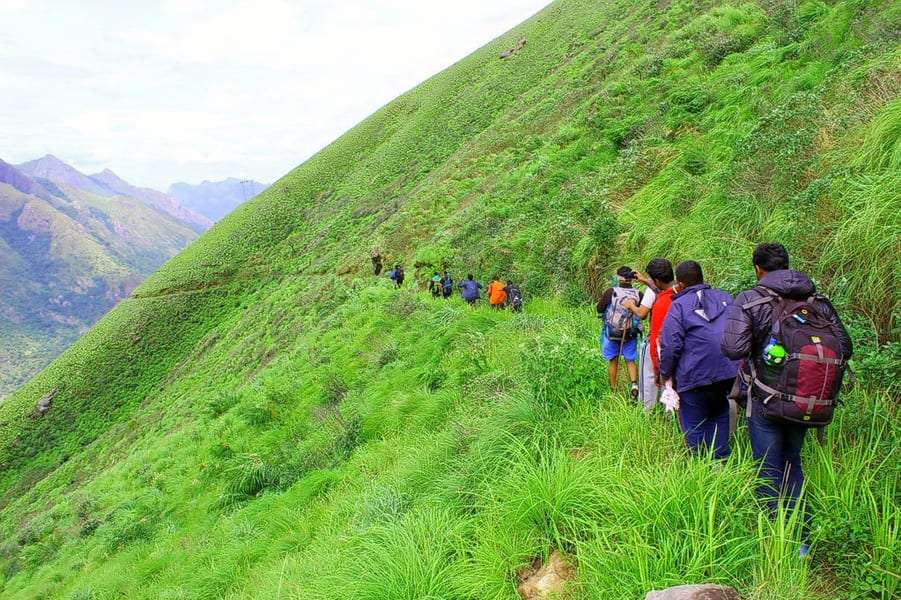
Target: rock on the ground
694	592
43	405
543	582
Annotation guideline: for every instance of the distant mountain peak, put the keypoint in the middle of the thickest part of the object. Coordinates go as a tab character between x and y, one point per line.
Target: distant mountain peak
51	167
108	177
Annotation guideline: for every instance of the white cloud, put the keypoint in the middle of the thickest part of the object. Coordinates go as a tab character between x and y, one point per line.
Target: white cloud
194	89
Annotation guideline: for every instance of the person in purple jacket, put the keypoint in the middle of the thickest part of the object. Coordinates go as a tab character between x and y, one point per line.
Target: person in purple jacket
691	357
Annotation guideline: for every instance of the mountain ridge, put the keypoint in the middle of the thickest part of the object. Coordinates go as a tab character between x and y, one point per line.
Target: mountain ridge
69	256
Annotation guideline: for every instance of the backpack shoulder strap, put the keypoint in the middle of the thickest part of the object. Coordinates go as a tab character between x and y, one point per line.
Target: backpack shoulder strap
766	296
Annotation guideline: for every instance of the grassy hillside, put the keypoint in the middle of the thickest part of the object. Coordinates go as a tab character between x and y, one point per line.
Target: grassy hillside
263	419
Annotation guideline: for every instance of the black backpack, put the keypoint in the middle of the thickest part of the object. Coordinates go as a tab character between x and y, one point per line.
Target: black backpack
804	388
514	296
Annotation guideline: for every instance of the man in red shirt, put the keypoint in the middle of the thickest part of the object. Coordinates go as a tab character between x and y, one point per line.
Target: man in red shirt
656	301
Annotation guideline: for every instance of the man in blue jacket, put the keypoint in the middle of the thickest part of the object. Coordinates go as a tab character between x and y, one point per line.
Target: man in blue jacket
691	357
469	289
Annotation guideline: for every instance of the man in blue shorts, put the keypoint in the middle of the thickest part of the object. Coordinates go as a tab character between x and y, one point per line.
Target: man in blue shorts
619	334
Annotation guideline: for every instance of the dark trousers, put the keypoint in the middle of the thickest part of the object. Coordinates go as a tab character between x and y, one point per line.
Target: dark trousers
704	418
778	448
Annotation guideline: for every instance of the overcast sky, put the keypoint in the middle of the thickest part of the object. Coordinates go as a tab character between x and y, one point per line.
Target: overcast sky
187	90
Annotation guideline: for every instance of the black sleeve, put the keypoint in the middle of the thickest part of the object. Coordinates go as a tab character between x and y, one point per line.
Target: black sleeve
737	337
606	299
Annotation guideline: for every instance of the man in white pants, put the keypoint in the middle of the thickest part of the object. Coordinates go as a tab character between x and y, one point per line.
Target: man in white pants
654	302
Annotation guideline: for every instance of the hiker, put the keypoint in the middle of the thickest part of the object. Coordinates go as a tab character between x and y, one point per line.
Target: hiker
514	296
656	302
621	328
447	285
497	297
469	290
435	285
397	276
794	350
376	262
690	357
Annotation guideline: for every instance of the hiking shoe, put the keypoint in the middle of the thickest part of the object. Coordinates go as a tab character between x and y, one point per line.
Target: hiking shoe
804	551
633	391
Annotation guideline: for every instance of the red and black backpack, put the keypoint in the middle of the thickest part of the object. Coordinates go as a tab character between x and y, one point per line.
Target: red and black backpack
804	389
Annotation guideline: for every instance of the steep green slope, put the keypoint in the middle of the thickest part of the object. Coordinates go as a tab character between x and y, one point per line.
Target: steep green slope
264	419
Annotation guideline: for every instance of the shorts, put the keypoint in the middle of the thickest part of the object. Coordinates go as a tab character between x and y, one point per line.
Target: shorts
610	349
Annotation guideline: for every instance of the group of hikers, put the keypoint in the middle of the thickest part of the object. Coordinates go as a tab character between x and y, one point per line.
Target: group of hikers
500	294
779	350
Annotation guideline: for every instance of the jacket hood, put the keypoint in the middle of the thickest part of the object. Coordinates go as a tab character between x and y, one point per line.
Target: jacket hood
709	303
789	283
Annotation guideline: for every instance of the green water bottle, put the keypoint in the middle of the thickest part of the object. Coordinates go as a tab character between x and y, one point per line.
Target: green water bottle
774	354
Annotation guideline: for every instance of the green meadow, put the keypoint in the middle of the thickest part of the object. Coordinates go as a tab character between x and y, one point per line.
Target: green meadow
263	418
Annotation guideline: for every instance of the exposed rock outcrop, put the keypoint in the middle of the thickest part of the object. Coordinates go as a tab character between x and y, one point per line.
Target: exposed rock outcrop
545	581
695	592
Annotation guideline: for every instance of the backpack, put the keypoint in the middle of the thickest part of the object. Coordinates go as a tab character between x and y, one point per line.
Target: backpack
447	285
802	389
618	320
515	297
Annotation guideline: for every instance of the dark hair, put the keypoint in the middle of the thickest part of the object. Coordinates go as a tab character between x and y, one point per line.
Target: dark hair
771	256
626	272
469	276
689	273
660	269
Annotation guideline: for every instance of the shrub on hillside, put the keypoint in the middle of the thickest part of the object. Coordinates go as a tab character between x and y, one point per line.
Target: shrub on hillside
725	30
563	370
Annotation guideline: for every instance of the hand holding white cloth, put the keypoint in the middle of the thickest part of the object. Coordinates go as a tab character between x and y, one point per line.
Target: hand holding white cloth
669	397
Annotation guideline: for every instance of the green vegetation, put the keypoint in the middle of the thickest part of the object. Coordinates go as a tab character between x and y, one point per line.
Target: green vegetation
263	419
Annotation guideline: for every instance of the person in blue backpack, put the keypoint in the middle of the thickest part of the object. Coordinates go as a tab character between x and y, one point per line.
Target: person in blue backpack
692	361
397	276
620	330
469	290
447	285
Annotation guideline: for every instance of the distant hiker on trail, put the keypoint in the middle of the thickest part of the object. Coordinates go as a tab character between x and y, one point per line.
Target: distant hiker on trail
656	302
397	276
497	297
619	333
795	350
469	290
691	358
376	262
514	296
447	285
435	285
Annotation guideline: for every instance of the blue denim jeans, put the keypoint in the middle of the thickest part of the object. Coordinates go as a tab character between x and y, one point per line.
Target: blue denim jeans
778	448
704	418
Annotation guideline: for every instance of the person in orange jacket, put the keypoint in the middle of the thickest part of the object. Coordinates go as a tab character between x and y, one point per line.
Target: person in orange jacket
496	294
